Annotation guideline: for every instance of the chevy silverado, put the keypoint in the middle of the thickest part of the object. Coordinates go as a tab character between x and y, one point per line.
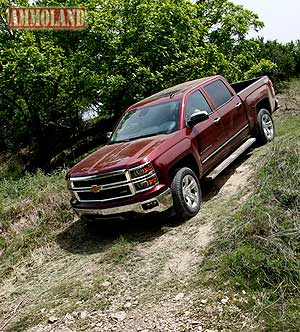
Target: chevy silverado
163	145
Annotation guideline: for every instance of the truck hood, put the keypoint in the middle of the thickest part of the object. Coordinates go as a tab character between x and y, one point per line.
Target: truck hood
119	156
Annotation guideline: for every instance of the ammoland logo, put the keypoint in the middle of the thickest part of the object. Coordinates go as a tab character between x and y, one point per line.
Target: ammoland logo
46	18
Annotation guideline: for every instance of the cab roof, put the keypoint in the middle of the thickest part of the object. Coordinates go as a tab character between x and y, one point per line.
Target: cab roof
174	92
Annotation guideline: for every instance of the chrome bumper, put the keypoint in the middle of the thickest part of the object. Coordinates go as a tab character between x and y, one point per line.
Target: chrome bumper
160	203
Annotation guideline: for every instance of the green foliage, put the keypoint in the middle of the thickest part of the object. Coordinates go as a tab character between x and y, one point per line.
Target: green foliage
130	50
46	83
268	235
285	56
264	67
120	250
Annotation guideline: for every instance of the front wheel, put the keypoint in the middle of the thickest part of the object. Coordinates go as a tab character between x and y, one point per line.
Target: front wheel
186	193
265	126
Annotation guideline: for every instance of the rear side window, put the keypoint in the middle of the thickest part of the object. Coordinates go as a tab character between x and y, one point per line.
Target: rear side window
194	102
218	92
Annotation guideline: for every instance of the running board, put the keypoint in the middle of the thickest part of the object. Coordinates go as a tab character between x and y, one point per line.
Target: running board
214	173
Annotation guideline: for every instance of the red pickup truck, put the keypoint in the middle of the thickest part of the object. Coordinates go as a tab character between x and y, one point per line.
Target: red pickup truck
163	145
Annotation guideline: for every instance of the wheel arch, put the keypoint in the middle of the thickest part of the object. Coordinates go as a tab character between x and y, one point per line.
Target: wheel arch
264	103
187	161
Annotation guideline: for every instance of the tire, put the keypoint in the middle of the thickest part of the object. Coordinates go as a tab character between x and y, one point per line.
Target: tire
186	193
265	127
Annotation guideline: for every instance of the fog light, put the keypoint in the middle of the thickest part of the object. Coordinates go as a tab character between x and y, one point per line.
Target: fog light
150	205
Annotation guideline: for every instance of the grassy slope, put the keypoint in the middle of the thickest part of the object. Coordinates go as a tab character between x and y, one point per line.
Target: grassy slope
257	250
33	209
259	246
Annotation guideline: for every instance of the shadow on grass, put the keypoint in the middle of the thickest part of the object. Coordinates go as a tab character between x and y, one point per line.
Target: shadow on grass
96	236
88	237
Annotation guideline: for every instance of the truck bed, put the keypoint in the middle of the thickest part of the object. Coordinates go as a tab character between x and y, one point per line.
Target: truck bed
245	88
240	86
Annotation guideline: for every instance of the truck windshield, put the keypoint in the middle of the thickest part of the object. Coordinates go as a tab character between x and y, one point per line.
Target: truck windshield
147	121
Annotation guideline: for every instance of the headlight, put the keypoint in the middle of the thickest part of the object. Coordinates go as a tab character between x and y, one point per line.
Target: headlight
143	170
146	183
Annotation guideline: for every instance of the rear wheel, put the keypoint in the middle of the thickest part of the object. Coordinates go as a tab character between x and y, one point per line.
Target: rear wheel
186	193
265	128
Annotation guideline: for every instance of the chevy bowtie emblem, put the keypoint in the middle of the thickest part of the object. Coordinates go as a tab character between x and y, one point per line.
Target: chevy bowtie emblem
96	189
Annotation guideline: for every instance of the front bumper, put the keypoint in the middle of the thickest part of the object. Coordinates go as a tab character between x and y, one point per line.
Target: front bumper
160	203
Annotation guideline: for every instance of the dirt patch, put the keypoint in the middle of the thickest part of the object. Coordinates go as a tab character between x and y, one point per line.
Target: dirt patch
138	279
181	251
237	181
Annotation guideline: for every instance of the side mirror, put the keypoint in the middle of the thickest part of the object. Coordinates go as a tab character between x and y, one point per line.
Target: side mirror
197	117
109	134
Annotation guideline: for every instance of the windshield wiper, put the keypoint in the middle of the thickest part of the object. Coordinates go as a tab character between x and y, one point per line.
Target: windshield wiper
121	141
138	137
148	135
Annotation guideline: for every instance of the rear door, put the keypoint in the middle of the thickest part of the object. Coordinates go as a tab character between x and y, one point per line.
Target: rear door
209	135
231	109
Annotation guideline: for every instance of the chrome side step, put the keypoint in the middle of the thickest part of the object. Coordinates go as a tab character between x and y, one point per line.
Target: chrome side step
215	172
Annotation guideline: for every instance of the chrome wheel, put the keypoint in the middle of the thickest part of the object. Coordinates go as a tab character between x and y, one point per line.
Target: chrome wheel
267	125
190	191
186	193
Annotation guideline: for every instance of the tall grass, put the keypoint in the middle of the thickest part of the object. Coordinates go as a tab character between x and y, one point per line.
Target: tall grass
259	247
33	208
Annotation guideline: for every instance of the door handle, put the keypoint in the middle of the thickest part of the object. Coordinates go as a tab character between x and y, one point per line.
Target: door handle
217	120
238	105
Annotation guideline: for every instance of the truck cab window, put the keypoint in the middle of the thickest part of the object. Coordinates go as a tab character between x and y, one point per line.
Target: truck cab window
148	121
218	92
196	101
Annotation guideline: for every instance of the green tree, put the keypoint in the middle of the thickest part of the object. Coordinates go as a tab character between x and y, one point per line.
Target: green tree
46	82
283	55
131	49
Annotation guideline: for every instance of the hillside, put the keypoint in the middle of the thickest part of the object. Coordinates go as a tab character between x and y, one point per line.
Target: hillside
234	267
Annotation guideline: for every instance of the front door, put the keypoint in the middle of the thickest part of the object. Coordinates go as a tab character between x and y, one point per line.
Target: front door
209	135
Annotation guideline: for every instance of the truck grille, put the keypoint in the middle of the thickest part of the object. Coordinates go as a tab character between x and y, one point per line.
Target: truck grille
107	194
111	179
101	187
112	186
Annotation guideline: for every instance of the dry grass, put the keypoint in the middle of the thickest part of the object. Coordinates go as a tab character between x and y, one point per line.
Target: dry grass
33	208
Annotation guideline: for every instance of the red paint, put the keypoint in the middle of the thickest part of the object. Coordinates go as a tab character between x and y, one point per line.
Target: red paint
238	121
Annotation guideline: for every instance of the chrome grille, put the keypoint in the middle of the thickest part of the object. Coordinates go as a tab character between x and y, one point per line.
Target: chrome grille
103	195
101	181
107	186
